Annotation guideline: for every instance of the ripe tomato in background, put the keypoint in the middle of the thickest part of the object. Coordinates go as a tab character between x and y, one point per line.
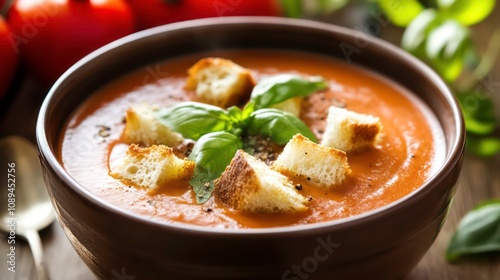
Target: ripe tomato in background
8	58
150	13
54	34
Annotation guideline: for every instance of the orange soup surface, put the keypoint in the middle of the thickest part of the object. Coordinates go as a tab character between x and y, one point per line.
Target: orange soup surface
411	149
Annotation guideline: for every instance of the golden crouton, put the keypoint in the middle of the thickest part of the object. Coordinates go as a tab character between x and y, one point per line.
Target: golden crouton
305	160
141	127
220	82
152	167
249	185
349	131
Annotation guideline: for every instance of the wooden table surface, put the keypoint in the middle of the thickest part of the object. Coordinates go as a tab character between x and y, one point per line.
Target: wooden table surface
480	180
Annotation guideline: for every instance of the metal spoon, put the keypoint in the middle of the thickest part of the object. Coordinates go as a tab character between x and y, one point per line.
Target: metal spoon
28	210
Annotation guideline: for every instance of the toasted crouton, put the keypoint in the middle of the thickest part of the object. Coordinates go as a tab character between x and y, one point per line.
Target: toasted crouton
220	82
249	185
321	166
292	105
141	127
350	131
152	167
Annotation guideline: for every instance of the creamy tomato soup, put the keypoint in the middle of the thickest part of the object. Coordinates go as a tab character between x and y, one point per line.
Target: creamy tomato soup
411	149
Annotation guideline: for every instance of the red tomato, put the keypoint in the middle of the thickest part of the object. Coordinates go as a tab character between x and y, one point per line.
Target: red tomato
150	13
8	58
54	34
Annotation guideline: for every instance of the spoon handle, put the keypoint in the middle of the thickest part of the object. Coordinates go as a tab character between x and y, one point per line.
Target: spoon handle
36	249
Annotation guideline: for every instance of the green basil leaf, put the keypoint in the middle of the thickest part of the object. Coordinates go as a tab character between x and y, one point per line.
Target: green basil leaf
483	146
193	119
278	125
477	232
236	115
447	48
416	33
401	12
212	153
248	110
449	69
479	112
279	88
467	12
446	39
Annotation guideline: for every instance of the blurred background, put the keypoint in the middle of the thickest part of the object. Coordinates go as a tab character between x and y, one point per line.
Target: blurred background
460	39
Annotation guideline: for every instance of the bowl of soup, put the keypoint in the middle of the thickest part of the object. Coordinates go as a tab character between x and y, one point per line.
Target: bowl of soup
378	222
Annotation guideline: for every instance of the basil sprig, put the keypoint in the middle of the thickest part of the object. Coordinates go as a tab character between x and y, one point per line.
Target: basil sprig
212	153
477	232
276	89
219	132
278	125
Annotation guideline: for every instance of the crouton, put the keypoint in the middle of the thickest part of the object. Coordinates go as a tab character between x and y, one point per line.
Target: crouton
350	131
292	105
305	160
141	127
152	167
249	185
220	82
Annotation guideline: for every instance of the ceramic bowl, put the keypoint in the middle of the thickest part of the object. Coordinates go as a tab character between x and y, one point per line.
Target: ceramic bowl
385	243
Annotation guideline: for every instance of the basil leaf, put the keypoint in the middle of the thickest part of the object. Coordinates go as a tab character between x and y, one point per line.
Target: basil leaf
447	47
235	113
446	39
212	153
449	69
416	33
236	116
483	146
248	110
479	112
193	119
279	88
467	12
477	232
278	125
401	12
